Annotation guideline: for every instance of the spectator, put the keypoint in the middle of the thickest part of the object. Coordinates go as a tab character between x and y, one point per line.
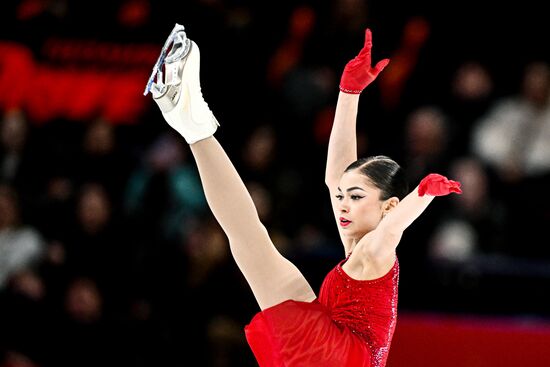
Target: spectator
475	223
512	138
21	246
164	191
426	138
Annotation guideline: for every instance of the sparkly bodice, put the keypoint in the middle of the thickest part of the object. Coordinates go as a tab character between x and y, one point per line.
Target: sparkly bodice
367	307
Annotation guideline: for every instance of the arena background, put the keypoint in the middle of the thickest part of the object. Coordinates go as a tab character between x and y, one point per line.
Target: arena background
118	259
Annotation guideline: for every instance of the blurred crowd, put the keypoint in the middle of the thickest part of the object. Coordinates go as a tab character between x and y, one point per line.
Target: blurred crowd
108	251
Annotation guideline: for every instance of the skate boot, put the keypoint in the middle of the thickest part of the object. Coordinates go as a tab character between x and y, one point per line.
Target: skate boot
175	86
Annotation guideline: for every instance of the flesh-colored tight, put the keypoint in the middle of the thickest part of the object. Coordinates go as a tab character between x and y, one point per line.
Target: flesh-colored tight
272	278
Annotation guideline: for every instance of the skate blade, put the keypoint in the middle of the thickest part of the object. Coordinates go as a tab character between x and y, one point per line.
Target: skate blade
158	82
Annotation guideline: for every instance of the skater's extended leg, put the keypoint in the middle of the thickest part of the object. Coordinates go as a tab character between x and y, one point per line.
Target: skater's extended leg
177	91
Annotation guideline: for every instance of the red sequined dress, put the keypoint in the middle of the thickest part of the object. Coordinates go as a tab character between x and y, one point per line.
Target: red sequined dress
350	324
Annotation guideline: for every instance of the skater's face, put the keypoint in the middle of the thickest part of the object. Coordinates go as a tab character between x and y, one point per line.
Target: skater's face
360	207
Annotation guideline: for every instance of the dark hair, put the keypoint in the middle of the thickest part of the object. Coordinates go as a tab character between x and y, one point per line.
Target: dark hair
384	173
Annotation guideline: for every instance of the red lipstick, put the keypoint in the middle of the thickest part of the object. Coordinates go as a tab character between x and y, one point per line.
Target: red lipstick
344	222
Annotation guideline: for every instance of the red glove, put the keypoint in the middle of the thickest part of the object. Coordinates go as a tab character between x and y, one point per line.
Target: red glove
358	72
438	185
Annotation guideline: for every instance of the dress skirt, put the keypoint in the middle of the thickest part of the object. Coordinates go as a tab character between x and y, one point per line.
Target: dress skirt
302	334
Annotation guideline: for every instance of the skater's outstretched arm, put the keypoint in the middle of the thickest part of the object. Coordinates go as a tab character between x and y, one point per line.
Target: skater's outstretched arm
385	239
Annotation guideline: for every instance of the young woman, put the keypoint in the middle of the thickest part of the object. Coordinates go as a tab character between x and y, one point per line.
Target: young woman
352	321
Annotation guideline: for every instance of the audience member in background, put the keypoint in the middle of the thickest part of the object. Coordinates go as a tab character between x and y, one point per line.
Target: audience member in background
85	335
474	224
21	246
101	160
471	92
94	246
164	192
22	308
511	139
425	142
19	166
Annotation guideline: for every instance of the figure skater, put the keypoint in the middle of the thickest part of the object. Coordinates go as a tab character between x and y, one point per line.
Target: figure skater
352	320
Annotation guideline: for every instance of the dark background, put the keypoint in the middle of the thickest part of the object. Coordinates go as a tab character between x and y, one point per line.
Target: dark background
169	295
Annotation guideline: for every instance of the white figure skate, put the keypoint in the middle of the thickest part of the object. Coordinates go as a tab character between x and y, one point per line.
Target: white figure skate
177	89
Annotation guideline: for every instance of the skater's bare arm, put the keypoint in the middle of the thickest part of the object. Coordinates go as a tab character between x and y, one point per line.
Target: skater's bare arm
342	149
387	235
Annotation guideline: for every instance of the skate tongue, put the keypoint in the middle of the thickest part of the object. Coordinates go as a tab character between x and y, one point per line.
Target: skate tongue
180	47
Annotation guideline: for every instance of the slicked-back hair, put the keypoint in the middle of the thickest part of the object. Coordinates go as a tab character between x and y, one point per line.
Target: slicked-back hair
384	173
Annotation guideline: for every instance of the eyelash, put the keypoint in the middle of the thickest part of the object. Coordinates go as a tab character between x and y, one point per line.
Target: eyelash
353	197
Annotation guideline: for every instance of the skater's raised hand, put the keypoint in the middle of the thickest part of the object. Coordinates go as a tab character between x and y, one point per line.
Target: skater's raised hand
358	72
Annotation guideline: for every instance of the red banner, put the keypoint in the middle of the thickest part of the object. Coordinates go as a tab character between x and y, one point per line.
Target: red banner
446	341
73	92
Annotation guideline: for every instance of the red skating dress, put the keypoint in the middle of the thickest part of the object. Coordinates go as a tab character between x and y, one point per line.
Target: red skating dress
350	324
